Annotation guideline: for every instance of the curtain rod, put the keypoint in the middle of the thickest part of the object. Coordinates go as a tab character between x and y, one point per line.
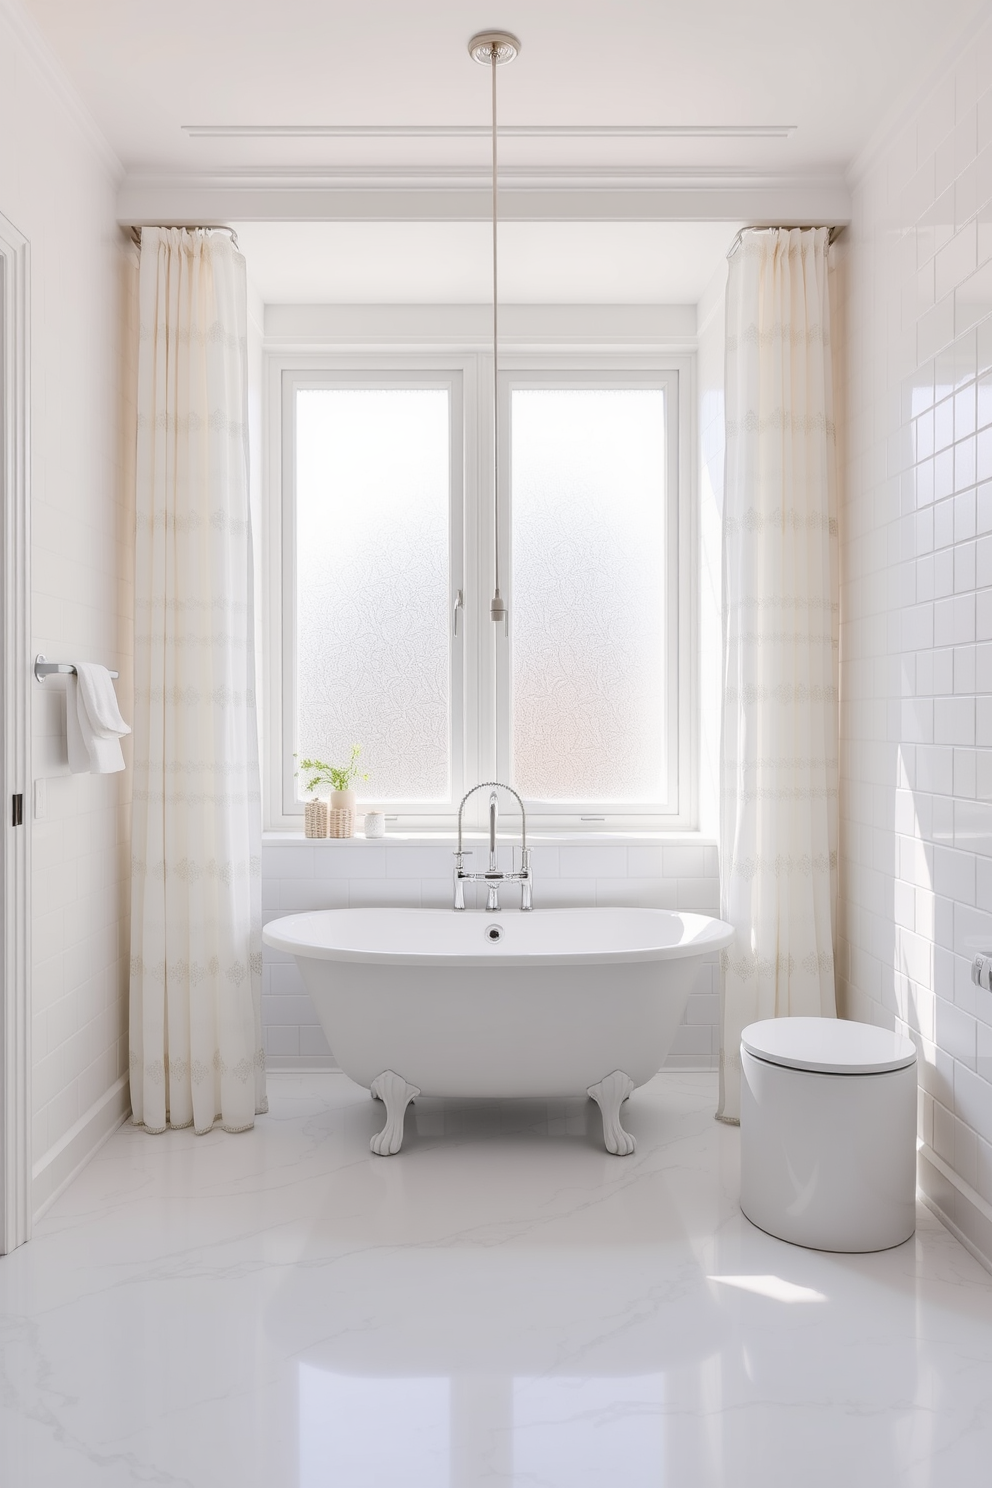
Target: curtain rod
192	227
834	229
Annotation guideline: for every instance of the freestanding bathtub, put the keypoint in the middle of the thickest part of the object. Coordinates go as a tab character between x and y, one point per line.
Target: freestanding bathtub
560	1002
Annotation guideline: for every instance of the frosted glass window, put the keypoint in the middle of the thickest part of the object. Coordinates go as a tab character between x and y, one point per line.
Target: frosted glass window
372	523
589	555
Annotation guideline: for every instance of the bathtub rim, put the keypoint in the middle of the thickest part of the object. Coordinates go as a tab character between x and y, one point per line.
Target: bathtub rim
708	935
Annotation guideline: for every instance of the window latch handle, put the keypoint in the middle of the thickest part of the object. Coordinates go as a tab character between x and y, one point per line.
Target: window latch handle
459	605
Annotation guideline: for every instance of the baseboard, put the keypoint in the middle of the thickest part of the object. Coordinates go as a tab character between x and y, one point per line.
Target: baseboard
956	1204
690	1064
53	1172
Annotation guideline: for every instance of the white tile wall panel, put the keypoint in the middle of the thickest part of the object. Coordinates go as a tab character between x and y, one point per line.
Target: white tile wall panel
915	302
648	862
640	893
592	862
298	894
419	862
359	862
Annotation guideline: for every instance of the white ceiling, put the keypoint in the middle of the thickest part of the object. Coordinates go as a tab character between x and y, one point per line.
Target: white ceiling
402	218
145	68
649	263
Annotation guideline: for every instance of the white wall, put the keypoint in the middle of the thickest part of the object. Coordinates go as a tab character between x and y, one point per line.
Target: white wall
678	873
58	187
916	643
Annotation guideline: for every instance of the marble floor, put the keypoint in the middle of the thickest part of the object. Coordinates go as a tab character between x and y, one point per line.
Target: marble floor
503	1305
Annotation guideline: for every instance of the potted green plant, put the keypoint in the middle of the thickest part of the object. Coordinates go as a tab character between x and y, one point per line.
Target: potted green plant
342	804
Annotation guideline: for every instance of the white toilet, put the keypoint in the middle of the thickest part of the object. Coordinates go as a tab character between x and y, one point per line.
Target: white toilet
828	1133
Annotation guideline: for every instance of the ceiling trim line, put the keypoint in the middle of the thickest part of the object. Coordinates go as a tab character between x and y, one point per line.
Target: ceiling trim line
462	178
482	131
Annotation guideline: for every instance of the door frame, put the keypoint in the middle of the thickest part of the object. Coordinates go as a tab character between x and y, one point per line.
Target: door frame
15	748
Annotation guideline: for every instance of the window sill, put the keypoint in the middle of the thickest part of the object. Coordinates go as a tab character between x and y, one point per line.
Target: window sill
449	839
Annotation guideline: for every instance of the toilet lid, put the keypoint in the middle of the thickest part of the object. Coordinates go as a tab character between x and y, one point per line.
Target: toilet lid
830	1045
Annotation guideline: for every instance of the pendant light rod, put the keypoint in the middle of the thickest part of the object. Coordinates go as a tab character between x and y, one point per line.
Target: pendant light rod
497	608
496	353
493	48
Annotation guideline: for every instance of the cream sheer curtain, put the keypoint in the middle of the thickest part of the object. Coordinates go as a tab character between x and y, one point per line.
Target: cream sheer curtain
779	789
196	959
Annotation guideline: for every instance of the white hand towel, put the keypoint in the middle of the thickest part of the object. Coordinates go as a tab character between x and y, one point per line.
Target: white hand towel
97	688
94	725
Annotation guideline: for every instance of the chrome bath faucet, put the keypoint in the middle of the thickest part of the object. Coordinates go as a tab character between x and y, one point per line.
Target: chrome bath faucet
492	878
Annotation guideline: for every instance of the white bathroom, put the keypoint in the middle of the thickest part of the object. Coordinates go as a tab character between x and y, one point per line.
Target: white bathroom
497	735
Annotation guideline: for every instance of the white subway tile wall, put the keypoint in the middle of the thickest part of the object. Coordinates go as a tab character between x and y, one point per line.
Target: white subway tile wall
916	619
299	875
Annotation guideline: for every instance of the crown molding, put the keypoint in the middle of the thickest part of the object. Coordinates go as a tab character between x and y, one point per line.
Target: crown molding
457	177
483	131
448	195
27	34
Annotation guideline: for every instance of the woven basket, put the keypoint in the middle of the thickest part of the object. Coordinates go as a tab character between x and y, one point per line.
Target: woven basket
340	824
315	819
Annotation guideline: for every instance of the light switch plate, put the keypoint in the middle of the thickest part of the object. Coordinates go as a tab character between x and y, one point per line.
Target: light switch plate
40	800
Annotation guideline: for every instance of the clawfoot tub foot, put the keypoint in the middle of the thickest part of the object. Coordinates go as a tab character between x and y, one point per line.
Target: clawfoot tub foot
609	1095
396	1094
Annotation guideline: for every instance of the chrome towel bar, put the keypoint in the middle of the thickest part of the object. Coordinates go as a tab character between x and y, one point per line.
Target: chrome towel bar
43	668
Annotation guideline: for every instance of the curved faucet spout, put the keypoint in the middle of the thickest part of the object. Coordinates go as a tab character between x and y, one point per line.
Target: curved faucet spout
494	785
492	878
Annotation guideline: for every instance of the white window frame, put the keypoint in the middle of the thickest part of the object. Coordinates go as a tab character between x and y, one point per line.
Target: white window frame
477	650
678	810
284	811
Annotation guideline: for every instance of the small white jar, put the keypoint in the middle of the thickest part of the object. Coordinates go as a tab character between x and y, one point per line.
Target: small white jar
375	824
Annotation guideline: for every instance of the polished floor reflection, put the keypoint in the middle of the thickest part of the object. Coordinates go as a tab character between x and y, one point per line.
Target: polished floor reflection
502	1305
